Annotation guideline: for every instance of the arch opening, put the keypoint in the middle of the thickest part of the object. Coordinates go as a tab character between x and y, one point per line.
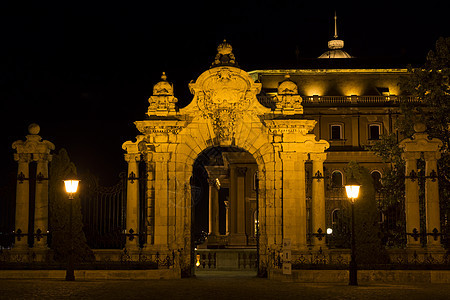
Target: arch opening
225	210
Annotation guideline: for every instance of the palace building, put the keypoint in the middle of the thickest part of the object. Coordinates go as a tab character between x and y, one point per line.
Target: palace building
257	160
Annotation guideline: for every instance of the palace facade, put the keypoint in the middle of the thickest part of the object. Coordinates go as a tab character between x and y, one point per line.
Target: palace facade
272	146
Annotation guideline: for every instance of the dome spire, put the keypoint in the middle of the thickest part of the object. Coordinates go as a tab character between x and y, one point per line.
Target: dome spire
335	46
335	25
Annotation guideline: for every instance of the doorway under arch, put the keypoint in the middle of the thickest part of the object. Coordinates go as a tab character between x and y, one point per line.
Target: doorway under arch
224	210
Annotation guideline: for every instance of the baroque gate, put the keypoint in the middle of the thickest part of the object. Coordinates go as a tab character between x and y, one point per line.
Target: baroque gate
225	112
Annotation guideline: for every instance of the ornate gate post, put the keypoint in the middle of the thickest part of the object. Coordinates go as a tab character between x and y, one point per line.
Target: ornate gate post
414	147
22	199
432	201
318	199
412	209
33	148
41	204
132	226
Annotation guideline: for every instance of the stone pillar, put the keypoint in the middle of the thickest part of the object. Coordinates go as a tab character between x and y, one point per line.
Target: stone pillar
37	149
161	200
318	198
22	199
227	231
213	207
294	199
432	199
241	173
41	199
132	224
412	209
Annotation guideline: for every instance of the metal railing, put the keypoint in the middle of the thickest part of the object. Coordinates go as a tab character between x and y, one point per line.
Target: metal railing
270	101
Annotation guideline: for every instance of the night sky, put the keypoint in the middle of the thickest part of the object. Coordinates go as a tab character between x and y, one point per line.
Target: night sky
84	71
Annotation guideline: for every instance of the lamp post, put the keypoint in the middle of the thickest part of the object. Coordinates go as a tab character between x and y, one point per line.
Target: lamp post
71	186
352	189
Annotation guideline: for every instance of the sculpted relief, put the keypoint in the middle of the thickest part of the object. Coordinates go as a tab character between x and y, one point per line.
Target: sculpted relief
223	94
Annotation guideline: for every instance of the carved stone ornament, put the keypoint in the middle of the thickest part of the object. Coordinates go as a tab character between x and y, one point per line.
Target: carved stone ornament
288	101
290	126
223	95
158	127
162	102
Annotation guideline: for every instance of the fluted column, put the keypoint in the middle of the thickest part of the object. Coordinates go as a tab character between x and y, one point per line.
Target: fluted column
161	200
132	225
412	209
318	198
294	199
41	199
432	199
22	199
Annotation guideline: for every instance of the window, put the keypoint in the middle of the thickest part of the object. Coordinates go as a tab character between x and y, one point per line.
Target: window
376	176
336	179
336	132
335	216
374	131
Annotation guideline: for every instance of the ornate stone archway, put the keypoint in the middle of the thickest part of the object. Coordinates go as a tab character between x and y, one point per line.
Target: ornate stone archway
225	112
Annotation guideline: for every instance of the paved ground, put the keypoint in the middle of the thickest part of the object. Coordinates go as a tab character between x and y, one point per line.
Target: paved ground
214	286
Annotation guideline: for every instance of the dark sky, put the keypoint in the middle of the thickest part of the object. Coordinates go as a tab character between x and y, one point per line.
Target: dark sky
84	71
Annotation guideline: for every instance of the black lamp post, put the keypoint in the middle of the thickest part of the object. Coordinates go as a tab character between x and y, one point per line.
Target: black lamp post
71	188
352	189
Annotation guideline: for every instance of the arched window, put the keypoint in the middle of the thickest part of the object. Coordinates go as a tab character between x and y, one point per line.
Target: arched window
336	179
374	131
335	216
376	176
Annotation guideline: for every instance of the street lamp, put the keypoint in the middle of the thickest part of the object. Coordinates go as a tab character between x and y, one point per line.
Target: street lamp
71	186
352	189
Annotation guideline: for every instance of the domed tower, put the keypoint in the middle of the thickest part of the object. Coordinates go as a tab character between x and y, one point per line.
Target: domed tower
163	101
336	46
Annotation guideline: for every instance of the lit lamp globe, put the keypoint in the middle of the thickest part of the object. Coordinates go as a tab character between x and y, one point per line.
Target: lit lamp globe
352	189
71	186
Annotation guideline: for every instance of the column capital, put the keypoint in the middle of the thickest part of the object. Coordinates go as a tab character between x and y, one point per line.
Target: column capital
318	156
431	155
42	157
132	157
410	155
23	157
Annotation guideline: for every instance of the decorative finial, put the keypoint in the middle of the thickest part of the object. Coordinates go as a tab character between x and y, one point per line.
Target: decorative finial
34	129
224	55
163	76
335	25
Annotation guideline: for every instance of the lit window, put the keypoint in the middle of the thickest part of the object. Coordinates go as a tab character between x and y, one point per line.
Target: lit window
374	131
336	132
336	179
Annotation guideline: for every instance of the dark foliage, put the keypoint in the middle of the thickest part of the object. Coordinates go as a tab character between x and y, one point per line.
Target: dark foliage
62	168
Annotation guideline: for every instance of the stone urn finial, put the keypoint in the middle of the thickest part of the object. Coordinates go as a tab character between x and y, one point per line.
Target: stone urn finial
420	127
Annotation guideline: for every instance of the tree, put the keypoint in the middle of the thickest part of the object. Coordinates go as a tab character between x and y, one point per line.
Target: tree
429	84
62	168
370	250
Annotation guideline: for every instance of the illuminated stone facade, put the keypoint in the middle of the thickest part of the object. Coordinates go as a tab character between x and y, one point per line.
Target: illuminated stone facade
293	126
284	138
